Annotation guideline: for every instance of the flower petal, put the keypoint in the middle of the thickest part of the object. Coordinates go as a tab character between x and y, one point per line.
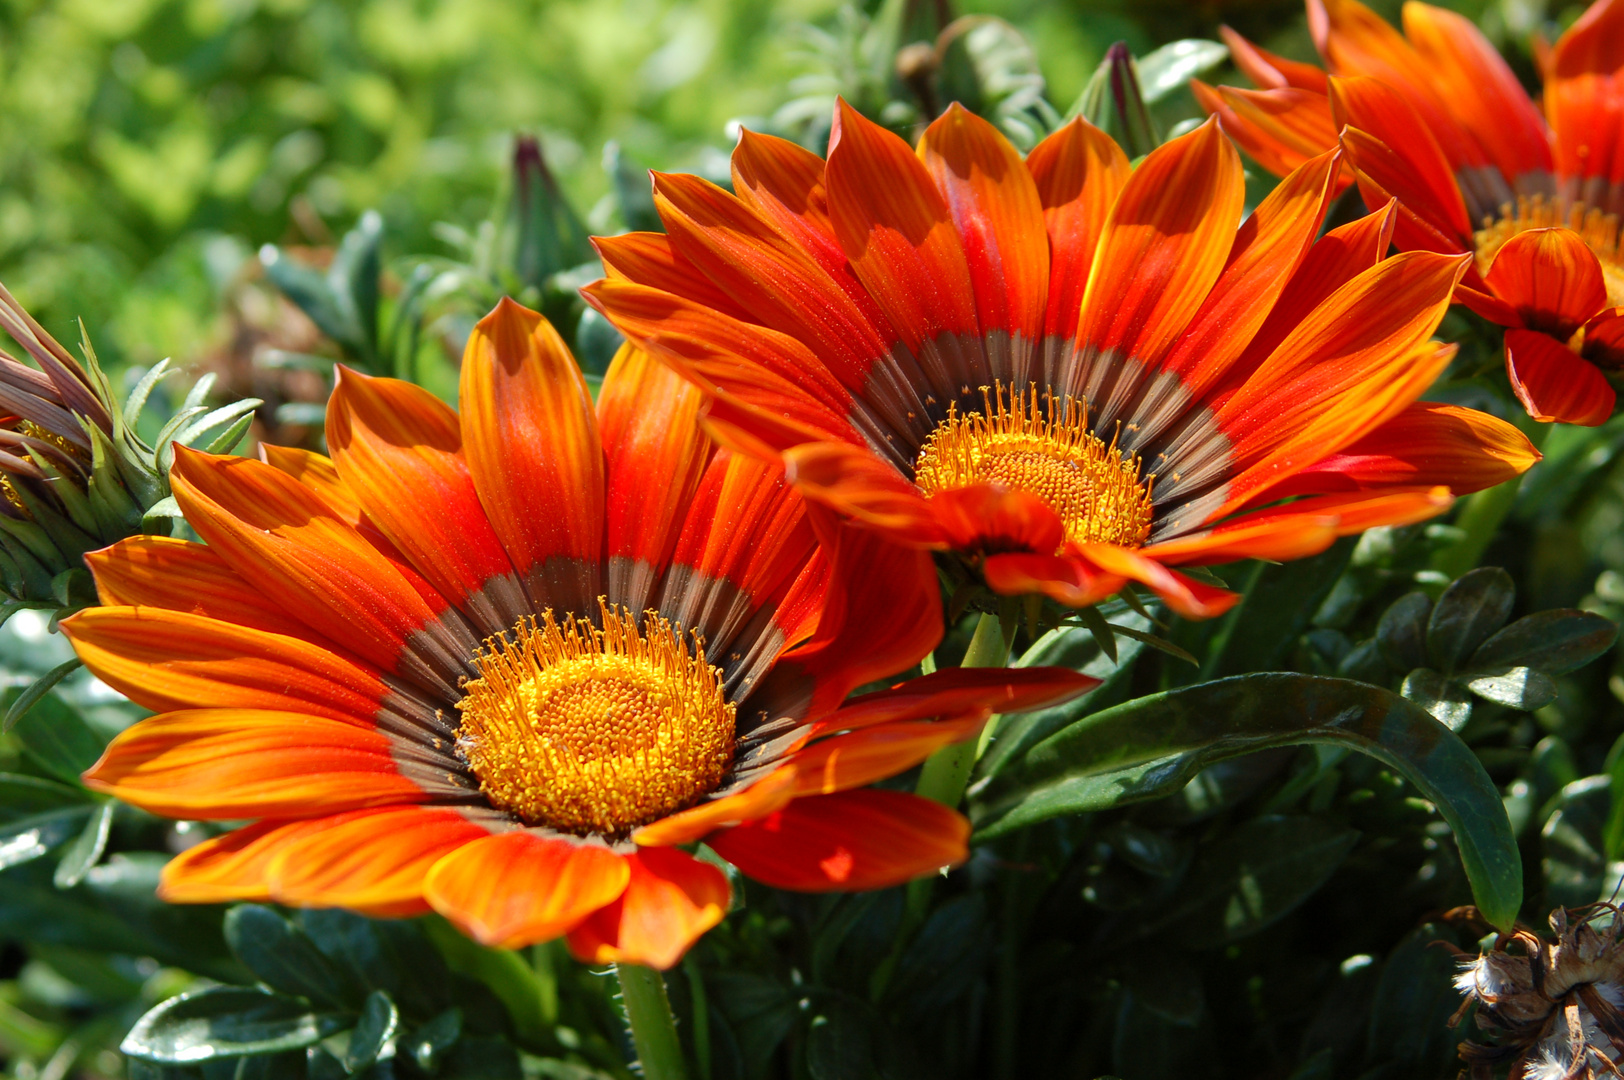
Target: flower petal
231	868
1302	528
1163	246
518	888
374	862
533	451
649	259
1186	596
670	900
655	455
1063	579
399	450
848	842
1604	340
695	823
1555	385
989	518
875	753
225	764
1079	171
1551	279
1279	129
952	691
851	480
1269	70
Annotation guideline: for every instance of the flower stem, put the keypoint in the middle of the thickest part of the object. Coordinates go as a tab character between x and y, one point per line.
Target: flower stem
654	1029
947	772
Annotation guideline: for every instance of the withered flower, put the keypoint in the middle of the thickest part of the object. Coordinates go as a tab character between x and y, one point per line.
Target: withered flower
1555	1011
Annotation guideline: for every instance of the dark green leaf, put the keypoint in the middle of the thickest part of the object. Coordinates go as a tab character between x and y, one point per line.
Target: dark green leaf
353	279
1574	845
1151	746
39	688
225	1021
1555	641
284	958
1164	982
26	839
634	190
22	796
480	1059
379	1022
428	1044
1440	696
839	1044
57	739
285	1066
1278	602
1253	876
1402	632
504	972
1522	688
86	849
311	291
1469	611
1414	1001
761	1012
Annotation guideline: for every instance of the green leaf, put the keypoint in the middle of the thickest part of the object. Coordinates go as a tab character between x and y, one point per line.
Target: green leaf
1573	843
353	279
379	1023
58	739
503	972
285	959
27	839
1522	688
1409	1019
839	1044
225	1021
312	292
1153	745
1171	67
86	849
1438	695
38	689
1279	600
1474	607
428	1044
1555	641
1401	634
22	796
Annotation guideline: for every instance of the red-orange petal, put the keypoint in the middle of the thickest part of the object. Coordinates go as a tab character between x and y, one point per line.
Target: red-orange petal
1553	384
695	823
227	764
992	518
1063	579
399	450
995	206
1277	128
952	691
897	232
649	259
655	454
851	480
1184	595
1604	339
1079	171
1163	247
518	888
231	868
670	900
847	842
1551	279
373	861
1302	528
875	753
1268	69
533	451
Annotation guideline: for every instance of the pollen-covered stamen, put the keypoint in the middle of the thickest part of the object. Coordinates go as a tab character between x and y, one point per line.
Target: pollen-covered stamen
1047	451
1599	231
593	731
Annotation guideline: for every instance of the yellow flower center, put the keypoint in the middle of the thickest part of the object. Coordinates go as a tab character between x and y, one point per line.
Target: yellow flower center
595	731
1599	231
1047	452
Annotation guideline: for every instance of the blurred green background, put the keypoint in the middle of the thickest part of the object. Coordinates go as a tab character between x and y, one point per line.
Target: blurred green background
149	147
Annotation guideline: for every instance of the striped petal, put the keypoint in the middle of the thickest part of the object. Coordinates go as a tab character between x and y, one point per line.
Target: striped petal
166	660
225	764
649	259
533	451
849	842
1554	384
759	799
1064	579
1584	98
1551	278
989	518
1484	96
1184	595
875	753
851	480
996	209
399	450
670	900
1163	247
231	868
1079	171
654	455
518	888
178	575
1269	70
283	539
374	861
1302	528
953	691
897	231
1280	129
783	182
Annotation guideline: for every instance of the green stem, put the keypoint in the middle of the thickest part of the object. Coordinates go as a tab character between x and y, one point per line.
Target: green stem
1480	519
654	1029
947	772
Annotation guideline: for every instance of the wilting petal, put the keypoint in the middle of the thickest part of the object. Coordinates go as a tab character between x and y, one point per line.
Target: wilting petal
518	888
533	451
374	861
227	764
670	900
1164	245
849	842
1550	278
1554	384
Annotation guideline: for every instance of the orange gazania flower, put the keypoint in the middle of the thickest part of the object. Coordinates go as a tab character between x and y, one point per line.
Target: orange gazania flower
1069	373
1435	118
503	665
